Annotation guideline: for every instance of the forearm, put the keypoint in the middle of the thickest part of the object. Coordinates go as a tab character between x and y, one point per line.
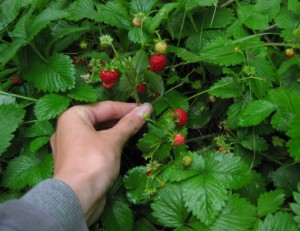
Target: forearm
51	205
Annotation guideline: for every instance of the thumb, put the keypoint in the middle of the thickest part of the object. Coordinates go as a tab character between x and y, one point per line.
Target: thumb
131	123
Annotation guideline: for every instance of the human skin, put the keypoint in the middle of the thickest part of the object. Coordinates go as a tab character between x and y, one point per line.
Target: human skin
88	159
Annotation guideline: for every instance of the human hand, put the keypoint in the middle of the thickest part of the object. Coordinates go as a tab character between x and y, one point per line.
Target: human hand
89	160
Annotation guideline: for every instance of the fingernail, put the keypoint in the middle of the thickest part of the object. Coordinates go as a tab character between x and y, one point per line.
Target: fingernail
144	110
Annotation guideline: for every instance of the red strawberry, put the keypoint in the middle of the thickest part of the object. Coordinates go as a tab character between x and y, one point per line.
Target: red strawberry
16	80
149	172
157	62
108	76
181	116
178	140
141	88
108	85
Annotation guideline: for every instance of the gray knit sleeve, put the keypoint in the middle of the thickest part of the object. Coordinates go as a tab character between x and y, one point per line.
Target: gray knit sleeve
57	199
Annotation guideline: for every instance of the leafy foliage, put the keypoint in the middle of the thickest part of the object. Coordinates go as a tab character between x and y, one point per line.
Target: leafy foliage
231	65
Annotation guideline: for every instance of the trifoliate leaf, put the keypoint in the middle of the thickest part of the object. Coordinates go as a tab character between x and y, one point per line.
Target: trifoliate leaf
268	7
205	193
39	128
238	214
286	178
294	134
277	222
49	106
27	170
252	18
11	115
226	87
135	183
168	206
54	76
221	51
184	54
269	202
84	93
256	112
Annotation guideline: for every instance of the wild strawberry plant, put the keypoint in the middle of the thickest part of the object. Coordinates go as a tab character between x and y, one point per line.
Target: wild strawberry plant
221	150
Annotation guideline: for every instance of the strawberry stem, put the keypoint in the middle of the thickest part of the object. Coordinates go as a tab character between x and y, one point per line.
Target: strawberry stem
18	96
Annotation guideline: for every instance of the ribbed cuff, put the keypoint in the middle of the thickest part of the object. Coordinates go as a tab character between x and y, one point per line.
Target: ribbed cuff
58	200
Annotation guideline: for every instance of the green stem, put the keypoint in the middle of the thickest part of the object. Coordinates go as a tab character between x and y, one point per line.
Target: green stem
18	96
220	86
201	138
156	124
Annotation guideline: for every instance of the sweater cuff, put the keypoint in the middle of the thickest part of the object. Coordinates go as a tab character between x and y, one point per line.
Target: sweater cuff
57	199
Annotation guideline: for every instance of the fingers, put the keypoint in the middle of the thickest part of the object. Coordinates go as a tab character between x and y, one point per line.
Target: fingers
131	123
109	110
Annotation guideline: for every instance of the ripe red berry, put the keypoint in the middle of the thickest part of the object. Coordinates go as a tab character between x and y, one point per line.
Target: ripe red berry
149	172
108	76
141	88
16	80
108	85
157	62
178	140
161	47
181	116
220	149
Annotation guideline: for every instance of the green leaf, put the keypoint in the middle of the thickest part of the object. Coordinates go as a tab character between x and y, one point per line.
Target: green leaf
278	222
38	142
294	6
135	183
140	61
39	128
27	170
236	109
253	142
199	115
141	6
137	35
162	14
282	119
226	87
206	192
11	115
10	51
256	112
84	93
184	54
238	215
215	18
252	18
221	51
7	99
11	8
177	100
156	83
114	14
50	106
271	8
287	178
195	3
293	143
81	9
296	206
54	76
143	224
269	202
117	214
168	206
